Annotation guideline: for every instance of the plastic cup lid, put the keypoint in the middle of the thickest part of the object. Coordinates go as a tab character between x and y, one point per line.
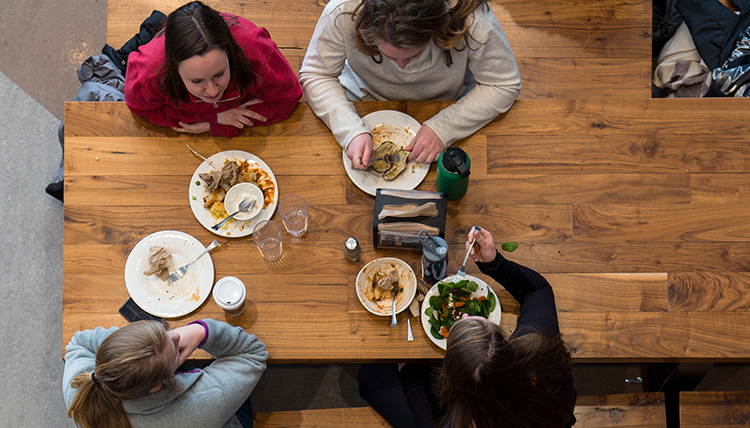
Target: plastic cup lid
229	293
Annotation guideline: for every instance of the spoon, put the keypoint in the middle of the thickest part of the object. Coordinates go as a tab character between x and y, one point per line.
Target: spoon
409	334
245	206
394	292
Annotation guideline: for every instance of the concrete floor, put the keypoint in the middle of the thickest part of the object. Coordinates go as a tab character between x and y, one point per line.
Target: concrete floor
43	42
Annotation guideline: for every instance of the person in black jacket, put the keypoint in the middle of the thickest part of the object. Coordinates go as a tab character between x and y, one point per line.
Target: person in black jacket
486	380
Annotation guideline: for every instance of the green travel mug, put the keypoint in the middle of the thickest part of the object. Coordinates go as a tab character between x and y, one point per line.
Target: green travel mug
453	173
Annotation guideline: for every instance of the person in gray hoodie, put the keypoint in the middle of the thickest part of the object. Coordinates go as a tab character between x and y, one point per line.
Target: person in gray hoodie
127	377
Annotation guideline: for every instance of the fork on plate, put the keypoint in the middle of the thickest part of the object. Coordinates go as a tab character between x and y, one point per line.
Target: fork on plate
179	273
395	157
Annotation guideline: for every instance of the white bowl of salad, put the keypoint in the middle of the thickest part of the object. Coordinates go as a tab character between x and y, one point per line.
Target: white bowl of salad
446	302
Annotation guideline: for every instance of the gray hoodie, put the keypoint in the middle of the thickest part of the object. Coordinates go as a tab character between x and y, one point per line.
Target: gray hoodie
206	398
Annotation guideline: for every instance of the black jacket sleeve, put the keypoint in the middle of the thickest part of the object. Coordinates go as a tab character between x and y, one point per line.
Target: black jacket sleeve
530	289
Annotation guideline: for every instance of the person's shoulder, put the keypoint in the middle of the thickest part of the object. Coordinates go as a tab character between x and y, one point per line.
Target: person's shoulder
238	21
241	27
336	7
97	330
152	51
148	60
483	21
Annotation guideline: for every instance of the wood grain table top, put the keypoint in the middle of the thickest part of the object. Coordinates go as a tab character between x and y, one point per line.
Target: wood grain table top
637	211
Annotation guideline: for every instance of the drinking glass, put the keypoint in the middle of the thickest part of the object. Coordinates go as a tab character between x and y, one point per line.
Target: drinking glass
267	236
294	210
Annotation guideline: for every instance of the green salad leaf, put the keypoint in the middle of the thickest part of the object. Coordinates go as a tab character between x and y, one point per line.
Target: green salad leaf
510	246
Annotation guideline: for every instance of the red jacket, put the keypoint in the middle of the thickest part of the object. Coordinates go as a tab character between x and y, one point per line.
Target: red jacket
276	84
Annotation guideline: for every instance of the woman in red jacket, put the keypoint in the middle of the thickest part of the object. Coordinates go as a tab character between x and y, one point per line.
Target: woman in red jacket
210	72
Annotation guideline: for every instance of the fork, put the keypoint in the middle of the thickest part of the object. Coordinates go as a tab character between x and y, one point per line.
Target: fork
201	156
393	158
461	274
179	273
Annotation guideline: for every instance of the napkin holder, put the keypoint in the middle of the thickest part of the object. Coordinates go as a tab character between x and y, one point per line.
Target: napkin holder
400	229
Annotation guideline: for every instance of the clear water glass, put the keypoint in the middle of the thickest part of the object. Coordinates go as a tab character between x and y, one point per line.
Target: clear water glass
267	237
293	210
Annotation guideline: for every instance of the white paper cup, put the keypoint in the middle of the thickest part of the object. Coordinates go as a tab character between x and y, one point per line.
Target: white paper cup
229	293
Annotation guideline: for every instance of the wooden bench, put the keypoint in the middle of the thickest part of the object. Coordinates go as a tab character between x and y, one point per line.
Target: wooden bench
714	409
646	410
359	417
624	410
574	49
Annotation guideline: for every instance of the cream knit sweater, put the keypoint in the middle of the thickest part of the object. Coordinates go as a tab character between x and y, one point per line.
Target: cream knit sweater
484	77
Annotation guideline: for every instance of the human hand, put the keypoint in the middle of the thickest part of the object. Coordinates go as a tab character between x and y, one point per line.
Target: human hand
426	146
193	128
190	337
360	150
240	117
484	250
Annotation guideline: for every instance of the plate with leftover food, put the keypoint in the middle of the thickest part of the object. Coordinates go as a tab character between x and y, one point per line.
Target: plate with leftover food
446	302
398	129
153	259
375	283
215	176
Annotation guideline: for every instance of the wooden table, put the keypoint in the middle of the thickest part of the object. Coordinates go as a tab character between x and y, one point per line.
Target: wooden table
637	211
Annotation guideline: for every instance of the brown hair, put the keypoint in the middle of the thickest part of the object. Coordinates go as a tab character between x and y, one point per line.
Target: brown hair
411	24
196	29
490	381
129	364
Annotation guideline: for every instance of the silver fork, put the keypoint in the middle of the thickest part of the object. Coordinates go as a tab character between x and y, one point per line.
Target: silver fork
179	273
461	274
393	158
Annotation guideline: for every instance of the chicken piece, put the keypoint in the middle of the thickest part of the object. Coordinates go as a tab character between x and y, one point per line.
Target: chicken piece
214	197
414	308
159	261
230	175
211	179
383	284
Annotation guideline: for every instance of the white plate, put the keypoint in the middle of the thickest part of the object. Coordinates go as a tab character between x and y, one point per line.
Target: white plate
370	181
234	228
407	279
482	290
181	297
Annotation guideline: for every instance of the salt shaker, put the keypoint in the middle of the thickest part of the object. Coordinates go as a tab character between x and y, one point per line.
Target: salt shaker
352	251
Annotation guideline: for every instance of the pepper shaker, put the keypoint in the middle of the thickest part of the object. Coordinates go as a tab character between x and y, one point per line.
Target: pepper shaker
352	250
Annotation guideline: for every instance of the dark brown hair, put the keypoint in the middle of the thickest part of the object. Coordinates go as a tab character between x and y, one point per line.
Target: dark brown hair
490	381
129	363
411	24
196	29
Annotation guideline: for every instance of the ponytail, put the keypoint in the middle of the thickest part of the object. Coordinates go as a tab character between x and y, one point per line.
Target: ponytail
96	407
